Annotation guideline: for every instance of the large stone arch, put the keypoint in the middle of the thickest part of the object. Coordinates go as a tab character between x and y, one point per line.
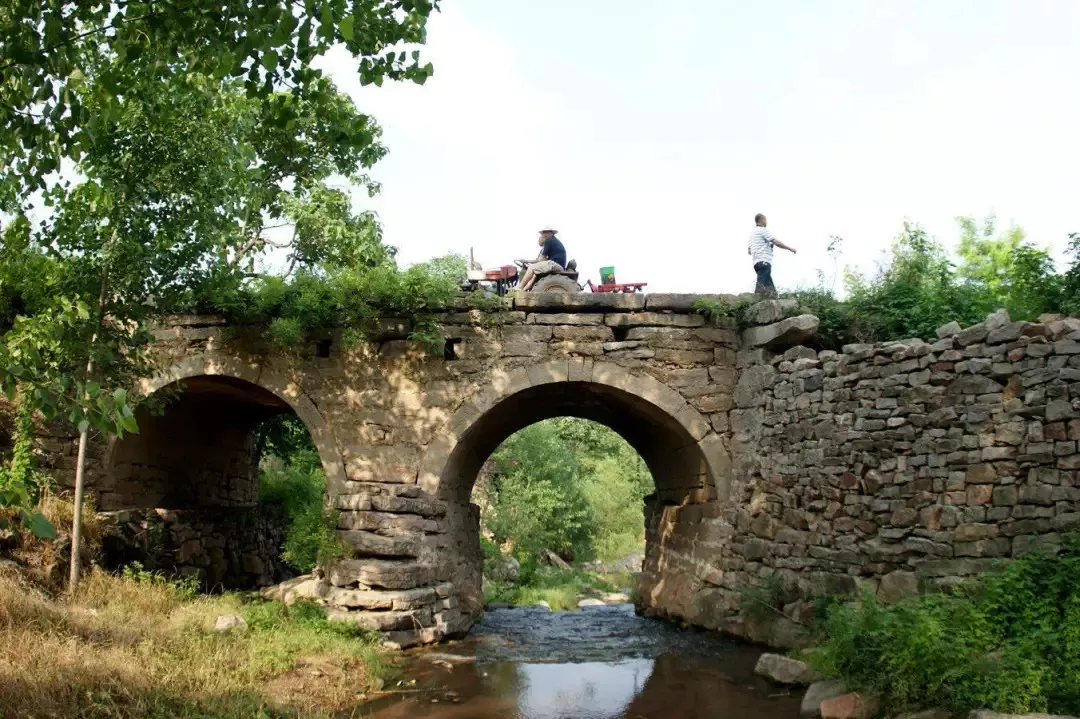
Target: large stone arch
689	462
689	433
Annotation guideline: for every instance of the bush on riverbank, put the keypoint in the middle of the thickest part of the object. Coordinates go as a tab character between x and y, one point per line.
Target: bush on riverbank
1009	642
560	588
141	646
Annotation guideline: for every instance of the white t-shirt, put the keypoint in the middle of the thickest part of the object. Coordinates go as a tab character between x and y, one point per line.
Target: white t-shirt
761	245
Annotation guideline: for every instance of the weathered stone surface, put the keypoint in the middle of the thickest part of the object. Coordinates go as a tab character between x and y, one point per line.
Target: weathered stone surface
381	599
819	692
578	301
849	706
369	544
229	622
792	331
382	621
897	585
680	302
948	330
654	319
785	670
769	311
573	319
386	574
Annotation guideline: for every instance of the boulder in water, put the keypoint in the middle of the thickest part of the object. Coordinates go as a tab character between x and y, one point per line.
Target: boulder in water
785	670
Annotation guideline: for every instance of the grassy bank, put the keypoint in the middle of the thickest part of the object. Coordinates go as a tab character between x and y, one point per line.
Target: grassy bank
1009	642
138	646
560	588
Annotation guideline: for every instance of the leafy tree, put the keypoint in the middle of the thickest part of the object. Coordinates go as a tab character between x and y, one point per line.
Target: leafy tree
568	485
183	172
51	48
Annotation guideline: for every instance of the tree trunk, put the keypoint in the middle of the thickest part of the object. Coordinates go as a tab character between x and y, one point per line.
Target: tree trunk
76	522
80	461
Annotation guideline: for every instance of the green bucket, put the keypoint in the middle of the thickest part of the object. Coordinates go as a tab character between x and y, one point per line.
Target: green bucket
607	275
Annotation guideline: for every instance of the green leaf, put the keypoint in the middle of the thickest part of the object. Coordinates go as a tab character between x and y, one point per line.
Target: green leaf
269	60
120	396
93	389
84	425
129	424
345	27
39	526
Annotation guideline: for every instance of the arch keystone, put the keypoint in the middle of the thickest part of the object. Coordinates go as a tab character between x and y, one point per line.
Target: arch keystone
547	372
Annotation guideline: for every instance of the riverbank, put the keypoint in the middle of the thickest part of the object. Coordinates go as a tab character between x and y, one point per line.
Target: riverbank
140	646
561	589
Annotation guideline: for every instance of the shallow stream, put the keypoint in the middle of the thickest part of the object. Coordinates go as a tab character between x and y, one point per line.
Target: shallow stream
596	663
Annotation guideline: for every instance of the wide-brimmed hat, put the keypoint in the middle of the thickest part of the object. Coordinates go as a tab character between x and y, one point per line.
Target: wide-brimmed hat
548	228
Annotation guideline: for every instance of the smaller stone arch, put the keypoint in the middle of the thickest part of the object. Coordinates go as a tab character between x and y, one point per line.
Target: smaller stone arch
277	383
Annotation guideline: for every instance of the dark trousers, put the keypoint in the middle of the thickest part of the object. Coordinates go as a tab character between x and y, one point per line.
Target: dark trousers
764	287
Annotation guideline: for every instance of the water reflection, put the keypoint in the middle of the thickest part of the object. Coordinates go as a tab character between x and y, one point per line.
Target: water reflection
603	663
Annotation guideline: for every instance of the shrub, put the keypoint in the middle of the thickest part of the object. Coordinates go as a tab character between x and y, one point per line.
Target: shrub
1008	642
295	493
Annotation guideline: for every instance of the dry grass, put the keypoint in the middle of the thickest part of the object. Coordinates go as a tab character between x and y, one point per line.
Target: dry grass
137	646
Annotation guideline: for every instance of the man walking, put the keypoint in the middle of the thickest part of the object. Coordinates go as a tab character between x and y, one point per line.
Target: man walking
761	250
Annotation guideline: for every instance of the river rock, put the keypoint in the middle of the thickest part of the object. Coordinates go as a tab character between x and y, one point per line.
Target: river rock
542	604
785	670
506	569
293	590
819	692
590	602
616	598
228	622
849	706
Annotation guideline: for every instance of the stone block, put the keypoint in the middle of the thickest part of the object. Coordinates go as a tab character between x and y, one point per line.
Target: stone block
526	333
400	600
369	544
850	706
680	302
585	301
386	522
562	318
654	319
897	585
785	670
768	311
598	333
785	333
388	574
948	330
382	621
817	693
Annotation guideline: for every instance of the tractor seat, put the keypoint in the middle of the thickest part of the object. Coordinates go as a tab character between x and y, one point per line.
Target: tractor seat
571	266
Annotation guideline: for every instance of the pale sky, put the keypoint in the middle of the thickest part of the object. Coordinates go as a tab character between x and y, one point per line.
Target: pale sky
651	132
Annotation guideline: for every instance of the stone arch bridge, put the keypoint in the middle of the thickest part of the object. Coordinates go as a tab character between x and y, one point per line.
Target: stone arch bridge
888	467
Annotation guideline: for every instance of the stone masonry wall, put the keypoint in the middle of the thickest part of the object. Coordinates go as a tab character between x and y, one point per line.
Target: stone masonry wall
894	467
223	548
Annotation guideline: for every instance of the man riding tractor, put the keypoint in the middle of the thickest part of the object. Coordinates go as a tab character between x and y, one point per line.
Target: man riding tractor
550	272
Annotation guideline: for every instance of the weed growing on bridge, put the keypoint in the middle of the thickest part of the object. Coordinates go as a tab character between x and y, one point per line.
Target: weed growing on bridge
1009	642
